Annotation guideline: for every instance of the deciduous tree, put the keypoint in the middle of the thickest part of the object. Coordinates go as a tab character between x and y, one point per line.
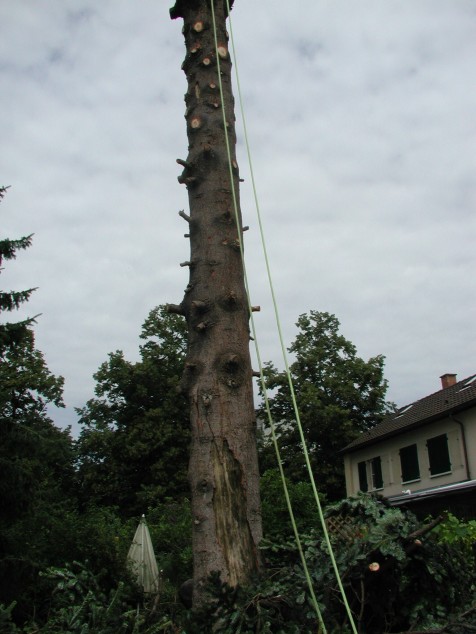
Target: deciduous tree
133	447
339	395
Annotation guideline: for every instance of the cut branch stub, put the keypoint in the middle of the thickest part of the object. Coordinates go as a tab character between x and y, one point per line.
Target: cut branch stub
174	309
185	164
200	306
183	215
231	370
229	301
189	181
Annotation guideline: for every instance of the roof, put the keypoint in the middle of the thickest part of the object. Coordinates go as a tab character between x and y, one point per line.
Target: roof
445	402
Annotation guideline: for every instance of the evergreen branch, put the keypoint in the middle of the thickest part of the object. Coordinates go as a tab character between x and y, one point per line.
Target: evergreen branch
13	333
3	190
14	299
8	248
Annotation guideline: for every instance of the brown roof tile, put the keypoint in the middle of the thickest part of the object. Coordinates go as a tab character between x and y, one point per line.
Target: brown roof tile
452	399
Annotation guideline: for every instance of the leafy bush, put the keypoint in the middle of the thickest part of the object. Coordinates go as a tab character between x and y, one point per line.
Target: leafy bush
453	530
81	605
397	575
276	522
170	526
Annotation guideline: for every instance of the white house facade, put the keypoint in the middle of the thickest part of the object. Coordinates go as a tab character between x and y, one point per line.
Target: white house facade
424	446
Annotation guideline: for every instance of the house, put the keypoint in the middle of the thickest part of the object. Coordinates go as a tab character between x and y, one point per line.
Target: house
423	455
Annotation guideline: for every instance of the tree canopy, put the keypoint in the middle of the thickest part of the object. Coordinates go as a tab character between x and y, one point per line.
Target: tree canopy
339	395
133	446
36	458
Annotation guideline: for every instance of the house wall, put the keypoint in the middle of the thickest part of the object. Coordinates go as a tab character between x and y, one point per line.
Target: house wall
388	451
468	419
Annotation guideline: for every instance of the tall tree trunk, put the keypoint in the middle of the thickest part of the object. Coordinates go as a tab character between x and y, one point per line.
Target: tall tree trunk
223	468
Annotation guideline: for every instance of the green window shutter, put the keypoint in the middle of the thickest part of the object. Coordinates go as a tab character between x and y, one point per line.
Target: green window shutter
409	463
363	484
376	470
438	454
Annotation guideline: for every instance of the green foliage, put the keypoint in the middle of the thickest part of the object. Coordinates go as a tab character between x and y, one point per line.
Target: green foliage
80	605
170	526
11	333
133	448
36	458
57	593
276	522
33	452
339	395
26	384
7	626
396	574
455	531
421	582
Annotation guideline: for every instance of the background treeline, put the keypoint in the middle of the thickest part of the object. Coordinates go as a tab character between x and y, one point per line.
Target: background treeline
69	507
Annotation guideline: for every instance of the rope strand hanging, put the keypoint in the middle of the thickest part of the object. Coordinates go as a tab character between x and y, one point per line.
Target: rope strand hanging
281	339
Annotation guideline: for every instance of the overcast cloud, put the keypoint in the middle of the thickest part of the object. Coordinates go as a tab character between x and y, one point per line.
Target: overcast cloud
361	117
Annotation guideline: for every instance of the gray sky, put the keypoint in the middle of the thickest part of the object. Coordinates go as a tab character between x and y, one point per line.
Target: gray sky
361	118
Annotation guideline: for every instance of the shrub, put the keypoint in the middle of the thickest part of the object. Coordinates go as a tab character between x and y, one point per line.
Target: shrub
397	575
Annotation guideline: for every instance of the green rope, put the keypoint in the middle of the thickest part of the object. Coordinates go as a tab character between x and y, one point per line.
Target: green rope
281	339
288	373
322	628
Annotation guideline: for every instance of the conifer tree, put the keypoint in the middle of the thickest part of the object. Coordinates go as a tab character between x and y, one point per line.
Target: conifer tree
36	458
12	300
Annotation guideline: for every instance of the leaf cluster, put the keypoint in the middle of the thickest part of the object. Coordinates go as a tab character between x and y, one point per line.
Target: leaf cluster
393	581
338	394
133	446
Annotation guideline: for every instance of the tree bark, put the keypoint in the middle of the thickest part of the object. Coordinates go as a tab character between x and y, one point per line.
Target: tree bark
223	469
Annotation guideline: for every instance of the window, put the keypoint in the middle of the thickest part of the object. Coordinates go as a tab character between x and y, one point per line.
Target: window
376	473
370	472
363	484
438	455
409	463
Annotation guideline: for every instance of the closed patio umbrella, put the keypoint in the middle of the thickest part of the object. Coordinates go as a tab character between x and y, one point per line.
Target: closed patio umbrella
142	561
